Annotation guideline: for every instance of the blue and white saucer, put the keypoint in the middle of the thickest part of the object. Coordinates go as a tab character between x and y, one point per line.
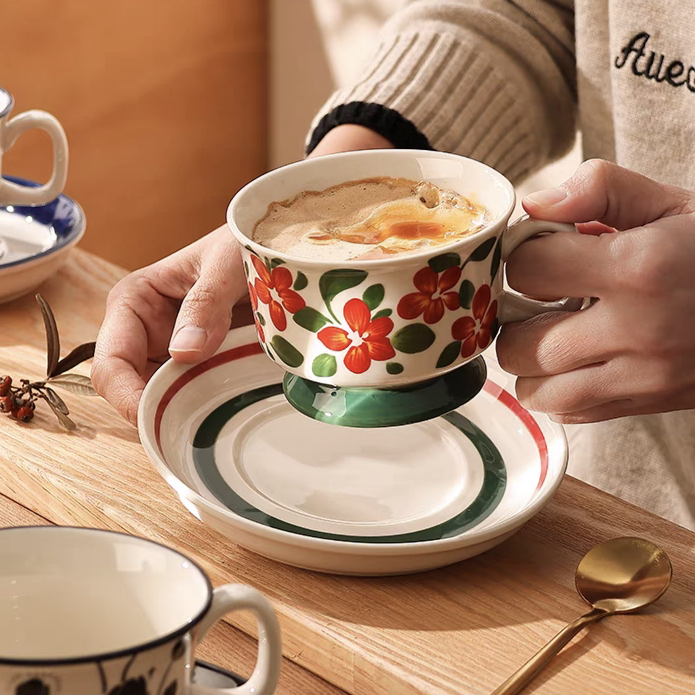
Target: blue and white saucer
35	241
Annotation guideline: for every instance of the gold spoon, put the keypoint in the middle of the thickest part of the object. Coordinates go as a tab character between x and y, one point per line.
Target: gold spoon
618	576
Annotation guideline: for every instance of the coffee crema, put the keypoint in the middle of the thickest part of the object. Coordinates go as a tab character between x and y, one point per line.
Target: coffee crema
369	219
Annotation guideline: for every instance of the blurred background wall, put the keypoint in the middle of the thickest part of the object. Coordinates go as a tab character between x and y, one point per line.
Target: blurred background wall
170	106
164	102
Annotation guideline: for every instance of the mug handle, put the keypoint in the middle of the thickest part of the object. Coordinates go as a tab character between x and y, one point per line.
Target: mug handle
239	597
515	306
24	195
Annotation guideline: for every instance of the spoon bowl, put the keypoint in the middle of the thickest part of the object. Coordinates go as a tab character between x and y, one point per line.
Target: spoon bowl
621	575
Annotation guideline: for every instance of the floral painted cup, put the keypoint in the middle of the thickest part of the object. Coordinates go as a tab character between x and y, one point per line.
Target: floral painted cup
390	322
87	612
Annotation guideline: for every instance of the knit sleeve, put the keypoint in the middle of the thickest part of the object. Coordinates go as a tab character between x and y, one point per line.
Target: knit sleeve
494	80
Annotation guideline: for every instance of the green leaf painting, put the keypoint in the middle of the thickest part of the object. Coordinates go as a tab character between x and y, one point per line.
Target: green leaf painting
287	352
300	282
373	296
483	250
496	260
394	367
310	319
336	281
415	337
324	365
449	354
444	261
466	292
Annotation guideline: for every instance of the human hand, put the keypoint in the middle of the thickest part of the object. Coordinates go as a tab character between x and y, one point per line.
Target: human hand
188	295
631	352
349	137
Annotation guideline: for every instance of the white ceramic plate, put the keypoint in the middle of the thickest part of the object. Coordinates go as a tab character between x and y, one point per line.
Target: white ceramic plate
342	500
35	241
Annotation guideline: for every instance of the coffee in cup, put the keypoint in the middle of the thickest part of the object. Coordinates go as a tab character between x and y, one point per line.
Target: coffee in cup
369	219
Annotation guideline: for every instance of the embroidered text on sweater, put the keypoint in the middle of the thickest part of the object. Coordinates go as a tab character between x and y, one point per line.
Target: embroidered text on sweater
675	73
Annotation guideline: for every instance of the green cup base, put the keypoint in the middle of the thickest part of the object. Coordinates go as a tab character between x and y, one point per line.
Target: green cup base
374	407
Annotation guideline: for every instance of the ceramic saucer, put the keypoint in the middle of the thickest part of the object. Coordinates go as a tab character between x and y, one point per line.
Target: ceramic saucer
212	676
35	241
334	499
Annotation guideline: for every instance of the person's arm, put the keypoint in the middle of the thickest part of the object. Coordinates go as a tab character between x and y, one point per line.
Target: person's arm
489	79
349	137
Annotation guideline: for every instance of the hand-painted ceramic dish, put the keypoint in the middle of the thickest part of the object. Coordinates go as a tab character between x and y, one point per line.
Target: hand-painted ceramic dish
35	241
372	501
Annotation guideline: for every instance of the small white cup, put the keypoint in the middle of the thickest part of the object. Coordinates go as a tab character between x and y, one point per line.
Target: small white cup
10	130
90	612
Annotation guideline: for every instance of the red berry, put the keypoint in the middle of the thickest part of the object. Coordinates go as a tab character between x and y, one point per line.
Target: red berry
5	384
6	404
26	413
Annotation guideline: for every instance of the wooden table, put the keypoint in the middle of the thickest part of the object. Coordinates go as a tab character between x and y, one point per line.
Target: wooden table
458	630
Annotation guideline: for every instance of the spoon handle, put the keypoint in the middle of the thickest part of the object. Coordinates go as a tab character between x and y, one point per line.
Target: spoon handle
520	679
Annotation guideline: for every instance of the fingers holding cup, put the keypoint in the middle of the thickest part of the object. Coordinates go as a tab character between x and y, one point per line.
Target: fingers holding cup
554	343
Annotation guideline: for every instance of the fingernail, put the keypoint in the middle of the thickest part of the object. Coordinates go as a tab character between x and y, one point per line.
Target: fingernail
189	339
546	198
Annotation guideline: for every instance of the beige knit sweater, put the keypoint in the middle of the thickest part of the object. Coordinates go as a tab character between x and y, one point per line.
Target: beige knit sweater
508	82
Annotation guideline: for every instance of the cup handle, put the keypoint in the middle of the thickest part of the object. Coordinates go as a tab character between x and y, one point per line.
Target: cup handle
239	597
23	195
515	306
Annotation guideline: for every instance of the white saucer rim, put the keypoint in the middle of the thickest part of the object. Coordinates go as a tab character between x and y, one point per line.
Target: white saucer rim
170	371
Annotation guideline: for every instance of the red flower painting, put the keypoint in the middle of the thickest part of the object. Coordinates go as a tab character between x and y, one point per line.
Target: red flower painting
433	295
366	339
274	288
476	331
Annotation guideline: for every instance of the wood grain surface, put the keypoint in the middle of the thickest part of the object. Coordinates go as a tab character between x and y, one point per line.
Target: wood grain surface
459	630
165	106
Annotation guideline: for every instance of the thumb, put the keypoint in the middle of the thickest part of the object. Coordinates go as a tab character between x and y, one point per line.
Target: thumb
604	192
206	312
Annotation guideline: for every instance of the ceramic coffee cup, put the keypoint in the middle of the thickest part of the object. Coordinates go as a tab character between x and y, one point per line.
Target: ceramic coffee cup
87	612
10	130
388	322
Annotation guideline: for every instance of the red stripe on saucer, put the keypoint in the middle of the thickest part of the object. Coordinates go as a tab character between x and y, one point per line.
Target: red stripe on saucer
188	376
529	421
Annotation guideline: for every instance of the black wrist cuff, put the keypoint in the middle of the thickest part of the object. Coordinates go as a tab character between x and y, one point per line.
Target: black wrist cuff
401	132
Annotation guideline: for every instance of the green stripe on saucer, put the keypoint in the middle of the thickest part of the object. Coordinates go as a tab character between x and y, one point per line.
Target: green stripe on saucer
489	497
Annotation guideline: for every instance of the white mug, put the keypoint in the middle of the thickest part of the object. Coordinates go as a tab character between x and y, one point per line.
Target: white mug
90	612
10	130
